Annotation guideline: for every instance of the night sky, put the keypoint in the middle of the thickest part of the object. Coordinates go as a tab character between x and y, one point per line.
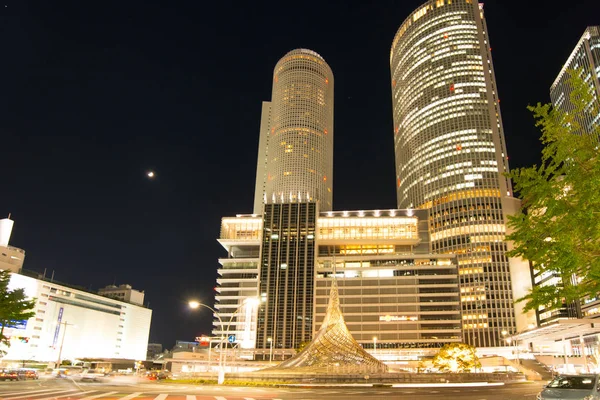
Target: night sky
95	93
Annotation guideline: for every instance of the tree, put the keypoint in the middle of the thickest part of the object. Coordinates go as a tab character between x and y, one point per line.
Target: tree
14	307
456	357
558	226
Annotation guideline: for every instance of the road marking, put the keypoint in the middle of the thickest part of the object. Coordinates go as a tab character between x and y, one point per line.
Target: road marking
52	391
190	397
98	395
33	391
248	398
161	396
220	398
131	396
55	397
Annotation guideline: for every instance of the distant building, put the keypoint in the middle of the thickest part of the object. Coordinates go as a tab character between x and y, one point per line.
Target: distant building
123	292
585	55
182	345
72	323
154	349
11	258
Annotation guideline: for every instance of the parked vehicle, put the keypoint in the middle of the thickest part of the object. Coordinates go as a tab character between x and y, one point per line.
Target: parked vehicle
157	375
572	387
11	375
29	373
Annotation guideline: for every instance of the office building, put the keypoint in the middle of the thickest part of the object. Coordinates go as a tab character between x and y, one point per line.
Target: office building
295	154
394	294
585	55
390	285
451	157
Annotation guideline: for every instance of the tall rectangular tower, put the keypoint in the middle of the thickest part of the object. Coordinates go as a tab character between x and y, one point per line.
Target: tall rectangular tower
586	56
286	277
451	156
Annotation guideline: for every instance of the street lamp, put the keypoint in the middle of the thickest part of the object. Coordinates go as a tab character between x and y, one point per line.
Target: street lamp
247	302
374	344
516	346
270	340
582	341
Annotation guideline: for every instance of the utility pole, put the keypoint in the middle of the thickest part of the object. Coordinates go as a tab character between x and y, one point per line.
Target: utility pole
62	342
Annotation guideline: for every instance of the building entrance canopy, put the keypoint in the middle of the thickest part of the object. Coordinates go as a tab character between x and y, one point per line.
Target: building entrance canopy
564	329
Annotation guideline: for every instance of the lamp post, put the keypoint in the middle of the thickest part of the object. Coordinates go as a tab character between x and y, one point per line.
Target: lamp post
374	344
270	340
196	304
582	341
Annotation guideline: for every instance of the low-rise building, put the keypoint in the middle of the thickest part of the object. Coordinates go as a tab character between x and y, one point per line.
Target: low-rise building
123	292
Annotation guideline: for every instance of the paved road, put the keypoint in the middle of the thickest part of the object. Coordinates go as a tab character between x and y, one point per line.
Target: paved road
64	389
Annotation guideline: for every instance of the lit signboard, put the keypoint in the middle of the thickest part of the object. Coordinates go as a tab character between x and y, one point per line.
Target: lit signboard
390	318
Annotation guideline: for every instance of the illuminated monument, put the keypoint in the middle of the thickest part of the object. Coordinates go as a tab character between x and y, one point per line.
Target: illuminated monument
333	348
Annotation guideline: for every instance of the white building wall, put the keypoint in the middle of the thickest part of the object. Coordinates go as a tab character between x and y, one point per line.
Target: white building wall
97	327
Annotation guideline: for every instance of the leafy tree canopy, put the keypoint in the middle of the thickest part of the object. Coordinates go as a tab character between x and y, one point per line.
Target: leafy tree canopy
456	357
14	307
558	226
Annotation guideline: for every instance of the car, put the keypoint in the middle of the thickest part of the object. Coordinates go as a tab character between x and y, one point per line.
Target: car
91	375
11	375
29	373
572	387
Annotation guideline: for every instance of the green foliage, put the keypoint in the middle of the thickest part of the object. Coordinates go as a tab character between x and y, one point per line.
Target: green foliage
14	307
456	357
558	227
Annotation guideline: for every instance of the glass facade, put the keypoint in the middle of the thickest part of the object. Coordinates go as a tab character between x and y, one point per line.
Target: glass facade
586	56
286	283
450	154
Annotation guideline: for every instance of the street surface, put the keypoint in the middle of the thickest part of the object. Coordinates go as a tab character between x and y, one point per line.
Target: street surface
122	389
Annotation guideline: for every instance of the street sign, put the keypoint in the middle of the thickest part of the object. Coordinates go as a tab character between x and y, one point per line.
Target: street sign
231	338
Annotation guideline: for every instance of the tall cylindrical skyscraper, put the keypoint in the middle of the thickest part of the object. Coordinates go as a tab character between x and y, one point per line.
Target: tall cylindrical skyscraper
296	140
451	156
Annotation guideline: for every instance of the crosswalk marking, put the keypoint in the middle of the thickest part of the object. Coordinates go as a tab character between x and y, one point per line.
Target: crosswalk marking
53	394
52	391
33	391
98	395
55	397
131	396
